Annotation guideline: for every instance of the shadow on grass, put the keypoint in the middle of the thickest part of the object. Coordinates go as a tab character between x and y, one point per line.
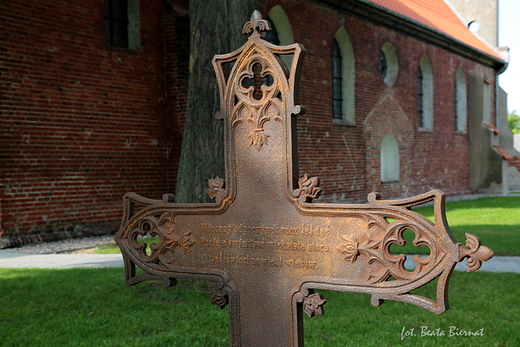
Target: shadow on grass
94	307
478	300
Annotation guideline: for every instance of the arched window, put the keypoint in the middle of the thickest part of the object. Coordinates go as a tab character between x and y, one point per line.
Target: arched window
343	78
388	64
122	26
425	93
486	101
116	23
283	28
272	35
460	101
383	64
389	159
337	98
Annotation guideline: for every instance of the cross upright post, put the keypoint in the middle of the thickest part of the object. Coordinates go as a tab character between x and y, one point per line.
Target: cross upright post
263	240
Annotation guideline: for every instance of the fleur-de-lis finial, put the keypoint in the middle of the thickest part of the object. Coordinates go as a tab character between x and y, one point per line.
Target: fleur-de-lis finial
256	25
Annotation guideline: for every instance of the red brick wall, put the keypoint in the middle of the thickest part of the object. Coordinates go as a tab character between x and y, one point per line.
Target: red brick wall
82	123
347	158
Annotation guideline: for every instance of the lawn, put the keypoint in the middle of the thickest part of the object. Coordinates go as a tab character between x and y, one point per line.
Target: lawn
94	307
495	220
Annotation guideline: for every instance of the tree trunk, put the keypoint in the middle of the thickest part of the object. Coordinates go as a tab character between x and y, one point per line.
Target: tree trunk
215	28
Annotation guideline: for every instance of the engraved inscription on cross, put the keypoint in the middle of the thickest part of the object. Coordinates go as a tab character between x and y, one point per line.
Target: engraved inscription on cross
264	241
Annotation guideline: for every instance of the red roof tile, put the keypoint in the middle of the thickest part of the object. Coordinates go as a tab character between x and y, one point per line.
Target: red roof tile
437	15
492	128
502	152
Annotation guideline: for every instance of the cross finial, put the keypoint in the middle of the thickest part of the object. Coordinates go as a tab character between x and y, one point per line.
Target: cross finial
256	25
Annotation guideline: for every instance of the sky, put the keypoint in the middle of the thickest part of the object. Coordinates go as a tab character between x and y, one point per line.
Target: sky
508	35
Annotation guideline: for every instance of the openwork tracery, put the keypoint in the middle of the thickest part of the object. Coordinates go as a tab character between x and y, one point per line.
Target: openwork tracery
257	61
248	108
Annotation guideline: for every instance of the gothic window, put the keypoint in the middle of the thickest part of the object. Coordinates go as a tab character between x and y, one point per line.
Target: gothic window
278	17
456	105
116	23
122	28
420	95
425	94
281	25
337	99
460	101
383	66
272	35
343	79
486	101
388	64
389	159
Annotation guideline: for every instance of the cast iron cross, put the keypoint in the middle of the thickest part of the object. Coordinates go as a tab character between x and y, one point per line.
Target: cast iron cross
264	241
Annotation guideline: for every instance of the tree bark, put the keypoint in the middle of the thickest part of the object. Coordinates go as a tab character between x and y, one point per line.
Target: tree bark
215	28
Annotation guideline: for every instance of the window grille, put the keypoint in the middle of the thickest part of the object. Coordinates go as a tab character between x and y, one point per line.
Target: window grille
337	97
383	66
420	111
116	23
456	107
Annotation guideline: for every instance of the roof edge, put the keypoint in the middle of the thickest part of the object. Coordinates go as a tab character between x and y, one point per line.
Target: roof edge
380	15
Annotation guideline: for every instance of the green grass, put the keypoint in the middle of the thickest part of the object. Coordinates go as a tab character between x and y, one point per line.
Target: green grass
94	307
478	300
107	249
495	220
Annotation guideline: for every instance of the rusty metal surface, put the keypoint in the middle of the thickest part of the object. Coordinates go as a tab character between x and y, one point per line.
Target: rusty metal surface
264	241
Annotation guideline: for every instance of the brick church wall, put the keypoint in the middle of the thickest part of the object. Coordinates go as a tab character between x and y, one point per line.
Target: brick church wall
347	158
82	123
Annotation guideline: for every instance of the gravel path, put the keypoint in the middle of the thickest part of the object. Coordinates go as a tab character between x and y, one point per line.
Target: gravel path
76	246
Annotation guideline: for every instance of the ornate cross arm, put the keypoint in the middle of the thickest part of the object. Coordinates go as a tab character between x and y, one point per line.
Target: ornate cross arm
475	253
366	250
155	218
